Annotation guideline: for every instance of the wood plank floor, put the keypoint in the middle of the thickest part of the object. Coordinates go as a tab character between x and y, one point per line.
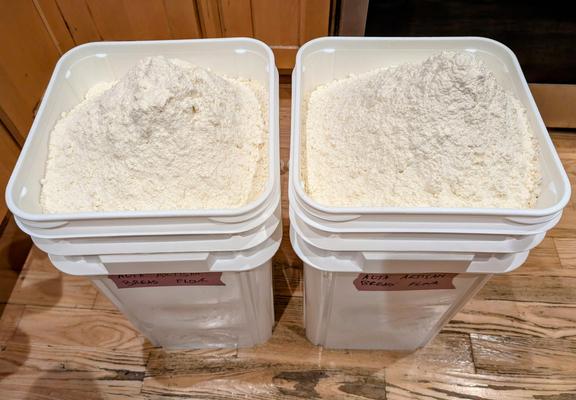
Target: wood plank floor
61	339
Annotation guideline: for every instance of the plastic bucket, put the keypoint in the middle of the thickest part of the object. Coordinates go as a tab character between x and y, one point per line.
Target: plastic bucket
323	60
84	66
389	300
188	300
390	278
185	278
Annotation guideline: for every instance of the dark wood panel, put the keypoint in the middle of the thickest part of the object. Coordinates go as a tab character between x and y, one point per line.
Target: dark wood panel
27	56
542	34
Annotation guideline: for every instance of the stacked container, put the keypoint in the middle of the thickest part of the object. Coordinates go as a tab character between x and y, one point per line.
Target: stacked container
390	278
189	278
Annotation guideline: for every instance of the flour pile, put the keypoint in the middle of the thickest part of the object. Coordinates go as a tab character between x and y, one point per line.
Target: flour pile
167	136
440	133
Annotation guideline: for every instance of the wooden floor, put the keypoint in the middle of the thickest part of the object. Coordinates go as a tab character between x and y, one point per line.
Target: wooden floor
60	339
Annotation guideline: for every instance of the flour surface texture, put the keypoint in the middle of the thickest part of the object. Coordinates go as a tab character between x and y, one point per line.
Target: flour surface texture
168	135
440	133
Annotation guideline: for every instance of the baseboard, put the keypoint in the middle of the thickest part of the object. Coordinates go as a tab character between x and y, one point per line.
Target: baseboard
557	104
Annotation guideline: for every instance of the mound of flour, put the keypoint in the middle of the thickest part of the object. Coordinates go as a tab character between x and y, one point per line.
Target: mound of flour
168	135
440	133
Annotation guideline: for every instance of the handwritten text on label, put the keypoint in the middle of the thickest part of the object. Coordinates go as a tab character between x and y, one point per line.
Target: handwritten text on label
173	279
396	282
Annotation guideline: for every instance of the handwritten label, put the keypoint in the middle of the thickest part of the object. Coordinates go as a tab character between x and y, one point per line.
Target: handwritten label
174	279
396	282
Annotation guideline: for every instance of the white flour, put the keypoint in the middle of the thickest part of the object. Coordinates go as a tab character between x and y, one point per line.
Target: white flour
167	136
441	133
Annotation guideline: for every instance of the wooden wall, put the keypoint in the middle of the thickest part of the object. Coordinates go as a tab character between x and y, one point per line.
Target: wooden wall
35	33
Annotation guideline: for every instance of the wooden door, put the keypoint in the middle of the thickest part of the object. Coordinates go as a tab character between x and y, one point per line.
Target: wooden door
283	24
9	151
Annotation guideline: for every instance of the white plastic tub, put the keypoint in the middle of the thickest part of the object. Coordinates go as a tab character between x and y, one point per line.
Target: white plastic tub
390	278
238	314
185	278
356	300
323	60
188	300
84	66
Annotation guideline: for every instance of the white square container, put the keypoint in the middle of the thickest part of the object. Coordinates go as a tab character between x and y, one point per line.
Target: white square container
239	314
185	278
339	314
326	59
86	65
390	278
233	309
396	321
